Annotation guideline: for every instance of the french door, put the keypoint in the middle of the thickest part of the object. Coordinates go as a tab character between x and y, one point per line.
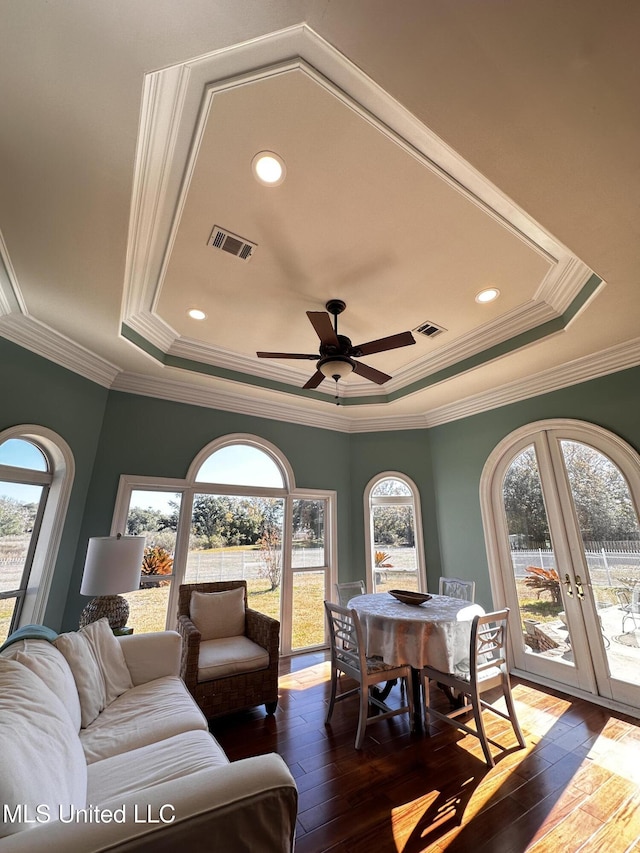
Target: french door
560	507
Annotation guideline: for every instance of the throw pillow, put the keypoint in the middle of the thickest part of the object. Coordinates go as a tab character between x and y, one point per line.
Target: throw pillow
86	673
218	614
98	667
43	763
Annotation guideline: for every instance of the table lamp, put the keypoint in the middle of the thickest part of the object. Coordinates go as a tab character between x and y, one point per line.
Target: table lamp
112	566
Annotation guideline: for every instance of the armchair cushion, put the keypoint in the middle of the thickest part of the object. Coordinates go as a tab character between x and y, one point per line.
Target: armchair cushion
230	656
218	614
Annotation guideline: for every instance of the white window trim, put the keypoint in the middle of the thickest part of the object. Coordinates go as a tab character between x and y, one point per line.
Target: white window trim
53	519
188	487
401	500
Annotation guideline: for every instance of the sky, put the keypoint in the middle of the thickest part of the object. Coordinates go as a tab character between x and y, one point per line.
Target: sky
236	464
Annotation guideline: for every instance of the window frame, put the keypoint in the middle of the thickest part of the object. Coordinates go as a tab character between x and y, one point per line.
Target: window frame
412	500
41	558
190	486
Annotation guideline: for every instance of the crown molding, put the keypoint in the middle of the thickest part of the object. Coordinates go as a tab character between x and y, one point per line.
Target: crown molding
612	360
178	391
42	340
11	299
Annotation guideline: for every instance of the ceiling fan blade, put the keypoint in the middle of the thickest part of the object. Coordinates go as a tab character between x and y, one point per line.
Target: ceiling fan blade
321	322
403	339
371	373
287	355
315	380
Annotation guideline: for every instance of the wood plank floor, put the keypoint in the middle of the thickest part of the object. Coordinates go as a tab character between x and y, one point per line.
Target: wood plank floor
576	785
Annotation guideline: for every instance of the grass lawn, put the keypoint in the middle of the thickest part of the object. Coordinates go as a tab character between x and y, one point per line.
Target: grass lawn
149	606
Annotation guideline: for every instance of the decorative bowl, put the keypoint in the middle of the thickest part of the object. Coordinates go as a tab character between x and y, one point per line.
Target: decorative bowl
406	596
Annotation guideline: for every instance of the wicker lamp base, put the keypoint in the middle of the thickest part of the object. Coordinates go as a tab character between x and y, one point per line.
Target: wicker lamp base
114	607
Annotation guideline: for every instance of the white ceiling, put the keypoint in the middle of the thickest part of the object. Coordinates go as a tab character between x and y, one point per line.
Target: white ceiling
429	155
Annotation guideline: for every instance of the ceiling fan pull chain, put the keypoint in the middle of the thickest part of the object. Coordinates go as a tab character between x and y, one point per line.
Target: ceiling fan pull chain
337	397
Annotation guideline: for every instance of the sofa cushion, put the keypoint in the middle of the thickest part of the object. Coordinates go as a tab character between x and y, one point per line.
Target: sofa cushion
218	614
49	664
98	667
230	656
42	759
145	714
170	760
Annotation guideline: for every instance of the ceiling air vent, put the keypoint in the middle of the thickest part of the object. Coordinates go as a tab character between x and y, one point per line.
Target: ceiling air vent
231	243
429	330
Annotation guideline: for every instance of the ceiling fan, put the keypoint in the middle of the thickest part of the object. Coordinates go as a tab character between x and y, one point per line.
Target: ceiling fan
337	353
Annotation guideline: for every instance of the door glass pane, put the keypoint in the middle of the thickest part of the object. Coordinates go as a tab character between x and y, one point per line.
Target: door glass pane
308	534
238	538
395	558
153	514
611	539
539	593
308	609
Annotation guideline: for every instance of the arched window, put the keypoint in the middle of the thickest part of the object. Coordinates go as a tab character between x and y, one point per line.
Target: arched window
237	514
394	543
36	473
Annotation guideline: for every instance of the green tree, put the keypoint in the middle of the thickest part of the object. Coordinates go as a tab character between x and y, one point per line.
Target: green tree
16	517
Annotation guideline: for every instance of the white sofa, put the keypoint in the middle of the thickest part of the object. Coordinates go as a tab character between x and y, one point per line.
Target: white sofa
144	775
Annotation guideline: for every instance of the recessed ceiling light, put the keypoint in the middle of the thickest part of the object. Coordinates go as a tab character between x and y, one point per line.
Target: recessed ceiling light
268	168
196	314
488	295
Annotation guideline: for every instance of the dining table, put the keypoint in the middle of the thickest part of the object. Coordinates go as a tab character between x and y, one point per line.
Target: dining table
436	632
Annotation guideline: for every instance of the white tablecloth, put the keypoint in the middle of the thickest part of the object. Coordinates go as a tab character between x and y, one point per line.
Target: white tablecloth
435	633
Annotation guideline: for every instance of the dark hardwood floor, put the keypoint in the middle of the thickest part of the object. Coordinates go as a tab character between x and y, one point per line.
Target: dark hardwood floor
576	785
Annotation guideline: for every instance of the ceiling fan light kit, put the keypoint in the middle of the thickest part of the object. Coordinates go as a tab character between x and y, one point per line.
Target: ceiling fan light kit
337	355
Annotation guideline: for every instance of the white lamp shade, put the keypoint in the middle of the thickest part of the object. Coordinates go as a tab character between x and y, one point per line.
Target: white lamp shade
113	565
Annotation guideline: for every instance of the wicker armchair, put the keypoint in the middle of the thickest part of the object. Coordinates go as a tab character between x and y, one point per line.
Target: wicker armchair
234	692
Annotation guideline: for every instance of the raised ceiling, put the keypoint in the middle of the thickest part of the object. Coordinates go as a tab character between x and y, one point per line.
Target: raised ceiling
106	219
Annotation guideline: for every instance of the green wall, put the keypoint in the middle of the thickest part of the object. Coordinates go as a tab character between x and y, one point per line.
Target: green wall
111	433
147	436
36	391
460	449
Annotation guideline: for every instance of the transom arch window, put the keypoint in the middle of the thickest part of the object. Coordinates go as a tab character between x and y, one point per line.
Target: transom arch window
236	514
242	460
393	533
36	474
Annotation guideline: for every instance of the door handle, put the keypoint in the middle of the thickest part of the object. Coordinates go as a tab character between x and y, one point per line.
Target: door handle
567	583
579	589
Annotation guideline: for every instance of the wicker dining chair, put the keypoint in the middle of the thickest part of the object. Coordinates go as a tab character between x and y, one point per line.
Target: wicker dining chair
232	691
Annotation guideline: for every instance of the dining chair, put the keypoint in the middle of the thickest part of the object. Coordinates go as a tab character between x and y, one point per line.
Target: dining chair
485	669
458	588
348	590
348	656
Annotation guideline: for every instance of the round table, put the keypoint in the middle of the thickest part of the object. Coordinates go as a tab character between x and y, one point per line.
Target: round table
435	633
